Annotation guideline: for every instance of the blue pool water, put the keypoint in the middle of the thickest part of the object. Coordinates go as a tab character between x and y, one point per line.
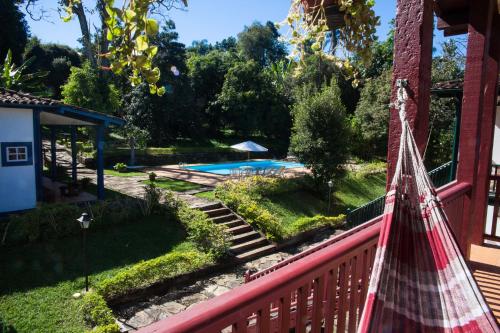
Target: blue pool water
225	168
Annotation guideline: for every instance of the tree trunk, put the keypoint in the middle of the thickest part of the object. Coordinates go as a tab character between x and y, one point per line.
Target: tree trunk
103	41
132	151
84	27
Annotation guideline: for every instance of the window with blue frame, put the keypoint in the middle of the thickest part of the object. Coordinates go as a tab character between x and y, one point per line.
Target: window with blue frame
16	153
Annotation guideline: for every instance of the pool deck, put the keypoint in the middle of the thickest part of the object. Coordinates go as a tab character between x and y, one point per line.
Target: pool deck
205	178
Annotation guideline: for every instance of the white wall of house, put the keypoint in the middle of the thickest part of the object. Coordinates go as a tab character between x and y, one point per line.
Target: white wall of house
496	142
17	182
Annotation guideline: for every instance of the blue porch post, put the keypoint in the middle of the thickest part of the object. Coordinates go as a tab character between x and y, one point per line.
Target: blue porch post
53	156
100	162
37	153
74	162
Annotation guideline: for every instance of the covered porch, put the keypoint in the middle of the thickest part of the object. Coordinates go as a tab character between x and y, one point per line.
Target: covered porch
63	121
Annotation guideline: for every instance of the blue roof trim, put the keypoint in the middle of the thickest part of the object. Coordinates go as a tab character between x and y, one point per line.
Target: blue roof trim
77	113
86	115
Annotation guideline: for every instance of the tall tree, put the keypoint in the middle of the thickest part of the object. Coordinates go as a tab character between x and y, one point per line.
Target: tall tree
261	44
56	59
251	103
206	75
320	133
372	117
14	30
85	89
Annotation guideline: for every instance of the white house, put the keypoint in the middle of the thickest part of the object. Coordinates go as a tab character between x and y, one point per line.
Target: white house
21	119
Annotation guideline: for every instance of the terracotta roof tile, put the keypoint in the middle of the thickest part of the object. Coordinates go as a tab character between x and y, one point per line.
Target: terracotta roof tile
19	98
12	97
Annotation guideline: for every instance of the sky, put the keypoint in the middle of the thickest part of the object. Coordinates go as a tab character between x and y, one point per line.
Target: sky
212	20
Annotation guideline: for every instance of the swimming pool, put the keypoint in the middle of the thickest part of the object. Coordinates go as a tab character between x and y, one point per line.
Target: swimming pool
225	168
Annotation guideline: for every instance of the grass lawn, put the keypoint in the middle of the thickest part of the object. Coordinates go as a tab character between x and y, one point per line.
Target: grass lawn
37	280
353	191
173	184
111	172
210	195
290	206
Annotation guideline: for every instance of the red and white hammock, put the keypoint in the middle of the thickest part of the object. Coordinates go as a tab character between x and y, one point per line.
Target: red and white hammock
420	281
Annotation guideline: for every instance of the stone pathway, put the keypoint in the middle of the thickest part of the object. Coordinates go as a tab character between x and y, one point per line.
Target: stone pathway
137	315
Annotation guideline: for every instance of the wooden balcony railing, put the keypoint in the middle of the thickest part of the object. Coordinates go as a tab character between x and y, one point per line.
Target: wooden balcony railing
323	291
492	234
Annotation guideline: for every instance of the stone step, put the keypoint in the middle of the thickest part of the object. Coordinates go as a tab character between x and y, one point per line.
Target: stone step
239	229
250	245
218	212
210	206
256	253
233	223
241	238
224	218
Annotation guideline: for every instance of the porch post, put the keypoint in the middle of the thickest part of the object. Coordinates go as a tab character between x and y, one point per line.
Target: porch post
74	161
37	153
412	61
456	139
473	166
100	162
53	156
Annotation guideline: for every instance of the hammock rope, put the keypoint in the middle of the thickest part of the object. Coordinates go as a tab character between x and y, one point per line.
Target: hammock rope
420	281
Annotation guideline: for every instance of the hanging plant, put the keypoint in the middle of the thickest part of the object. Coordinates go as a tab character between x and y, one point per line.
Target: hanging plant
129	29
335	29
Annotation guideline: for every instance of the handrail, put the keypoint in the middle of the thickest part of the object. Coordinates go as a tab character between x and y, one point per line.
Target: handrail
446	193
311	250
235	305
315	289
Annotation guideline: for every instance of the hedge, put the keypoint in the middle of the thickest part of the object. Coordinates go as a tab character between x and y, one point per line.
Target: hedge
54	221
244	195
147	273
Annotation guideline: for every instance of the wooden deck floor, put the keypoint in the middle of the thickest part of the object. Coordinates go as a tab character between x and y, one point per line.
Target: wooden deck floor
485	262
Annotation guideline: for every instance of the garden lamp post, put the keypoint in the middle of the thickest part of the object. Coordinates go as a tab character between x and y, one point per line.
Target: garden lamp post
84	222
330	187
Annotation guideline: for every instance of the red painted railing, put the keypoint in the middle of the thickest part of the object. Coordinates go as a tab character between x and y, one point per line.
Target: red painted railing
322	292
250	277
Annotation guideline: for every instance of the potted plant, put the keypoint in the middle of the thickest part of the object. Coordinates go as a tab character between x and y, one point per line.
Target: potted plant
120	167
346	26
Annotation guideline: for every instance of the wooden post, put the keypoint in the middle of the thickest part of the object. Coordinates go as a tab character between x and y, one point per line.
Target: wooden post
74	151
53	155
37	153
413	62
471	165
100	162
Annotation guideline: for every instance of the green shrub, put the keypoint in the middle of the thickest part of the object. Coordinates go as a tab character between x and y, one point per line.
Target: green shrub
147	273
152	176
243	196
111	328
54	221
261	218
44	223
308	223
151	200
120	167
208	236
95	310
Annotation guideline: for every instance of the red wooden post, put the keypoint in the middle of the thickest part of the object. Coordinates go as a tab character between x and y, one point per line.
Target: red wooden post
473	166
412	61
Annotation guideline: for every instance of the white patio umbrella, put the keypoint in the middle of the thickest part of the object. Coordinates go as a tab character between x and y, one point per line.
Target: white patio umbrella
249	146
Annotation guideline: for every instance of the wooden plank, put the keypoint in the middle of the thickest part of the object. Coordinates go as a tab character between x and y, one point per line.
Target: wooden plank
317	310
284	313
331	299
264	319
302	298
342	305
